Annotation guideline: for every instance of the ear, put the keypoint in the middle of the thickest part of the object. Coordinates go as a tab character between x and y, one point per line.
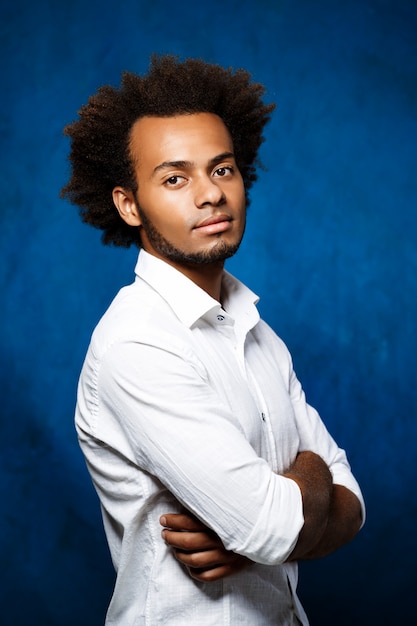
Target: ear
124	202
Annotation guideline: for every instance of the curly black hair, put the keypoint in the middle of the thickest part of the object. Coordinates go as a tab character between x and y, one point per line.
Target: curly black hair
100	139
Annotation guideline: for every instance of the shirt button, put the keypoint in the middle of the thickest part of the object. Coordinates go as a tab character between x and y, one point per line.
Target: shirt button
220	318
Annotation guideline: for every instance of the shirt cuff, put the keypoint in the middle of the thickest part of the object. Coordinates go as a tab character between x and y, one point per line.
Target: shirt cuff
276	531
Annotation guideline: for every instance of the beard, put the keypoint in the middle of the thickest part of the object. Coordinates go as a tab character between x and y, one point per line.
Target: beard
167	250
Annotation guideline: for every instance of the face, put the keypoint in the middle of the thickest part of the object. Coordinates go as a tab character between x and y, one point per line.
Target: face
190	204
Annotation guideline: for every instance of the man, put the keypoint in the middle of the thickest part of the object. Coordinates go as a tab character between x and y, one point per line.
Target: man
189	414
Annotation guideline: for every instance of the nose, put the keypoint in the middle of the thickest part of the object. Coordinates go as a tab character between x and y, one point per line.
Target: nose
208	192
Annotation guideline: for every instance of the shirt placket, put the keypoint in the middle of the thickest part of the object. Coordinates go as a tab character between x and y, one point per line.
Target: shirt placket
237	338
264	417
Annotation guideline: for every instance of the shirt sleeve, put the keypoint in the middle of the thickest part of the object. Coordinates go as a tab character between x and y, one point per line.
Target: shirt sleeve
314	436
156	407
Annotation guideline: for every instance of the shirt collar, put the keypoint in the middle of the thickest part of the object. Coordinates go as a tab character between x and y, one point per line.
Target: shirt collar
191	303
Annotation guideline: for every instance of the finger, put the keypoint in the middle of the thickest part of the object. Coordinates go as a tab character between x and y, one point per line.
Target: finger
223	569
191	541
211	574
205	560
181	521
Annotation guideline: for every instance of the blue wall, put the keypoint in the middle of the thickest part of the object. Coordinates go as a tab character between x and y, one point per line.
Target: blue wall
330	247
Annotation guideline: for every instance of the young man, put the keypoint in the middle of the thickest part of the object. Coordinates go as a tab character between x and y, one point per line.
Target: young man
189	414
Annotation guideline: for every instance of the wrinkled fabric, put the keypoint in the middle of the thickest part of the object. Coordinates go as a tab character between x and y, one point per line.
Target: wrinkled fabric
188	404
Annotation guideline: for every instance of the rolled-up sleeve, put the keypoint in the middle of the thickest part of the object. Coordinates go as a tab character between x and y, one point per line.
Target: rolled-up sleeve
314	436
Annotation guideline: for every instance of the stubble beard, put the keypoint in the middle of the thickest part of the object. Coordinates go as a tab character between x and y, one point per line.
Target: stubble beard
167	250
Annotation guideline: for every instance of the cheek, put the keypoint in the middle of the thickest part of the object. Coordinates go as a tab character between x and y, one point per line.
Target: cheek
239	192
241	200
155	204
170	212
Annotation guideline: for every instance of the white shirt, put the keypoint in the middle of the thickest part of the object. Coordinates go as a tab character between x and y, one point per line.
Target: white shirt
183	403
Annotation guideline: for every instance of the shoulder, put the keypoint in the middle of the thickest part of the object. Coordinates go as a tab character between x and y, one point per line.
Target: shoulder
137	315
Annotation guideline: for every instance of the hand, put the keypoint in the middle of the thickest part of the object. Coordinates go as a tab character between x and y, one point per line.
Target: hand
199	548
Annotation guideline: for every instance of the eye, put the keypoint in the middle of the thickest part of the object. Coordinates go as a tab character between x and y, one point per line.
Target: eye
224	171
173	181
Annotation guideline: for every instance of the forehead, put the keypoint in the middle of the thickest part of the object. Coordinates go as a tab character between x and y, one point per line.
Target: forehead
180	137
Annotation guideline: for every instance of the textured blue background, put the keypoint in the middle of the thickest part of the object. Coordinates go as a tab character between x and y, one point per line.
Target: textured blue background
330	247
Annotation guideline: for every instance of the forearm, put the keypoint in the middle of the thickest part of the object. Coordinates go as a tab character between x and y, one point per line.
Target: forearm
343	522
314	479
332	513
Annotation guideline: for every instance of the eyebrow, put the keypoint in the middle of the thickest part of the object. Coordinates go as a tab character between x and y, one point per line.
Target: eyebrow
189	164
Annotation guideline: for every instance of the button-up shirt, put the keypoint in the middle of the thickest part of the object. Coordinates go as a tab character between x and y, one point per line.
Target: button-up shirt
188	404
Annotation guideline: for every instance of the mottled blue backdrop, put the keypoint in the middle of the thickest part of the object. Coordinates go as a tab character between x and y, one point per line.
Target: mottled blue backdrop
330	247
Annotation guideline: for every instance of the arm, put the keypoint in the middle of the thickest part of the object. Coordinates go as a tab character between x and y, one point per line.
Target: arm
223	481
343	523
332	517
332	513
196	448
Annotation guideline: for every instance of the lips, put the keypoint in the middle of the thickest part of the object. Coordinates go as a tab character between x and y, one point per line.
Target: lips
214	219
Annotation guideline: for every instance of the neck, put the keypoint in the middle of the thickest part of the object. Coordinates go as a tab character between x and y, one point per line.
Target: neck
207	277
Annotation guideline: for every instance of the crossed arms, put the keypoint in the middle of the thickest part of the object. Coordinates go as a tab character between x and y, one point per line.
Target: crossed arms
332	517
217	472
